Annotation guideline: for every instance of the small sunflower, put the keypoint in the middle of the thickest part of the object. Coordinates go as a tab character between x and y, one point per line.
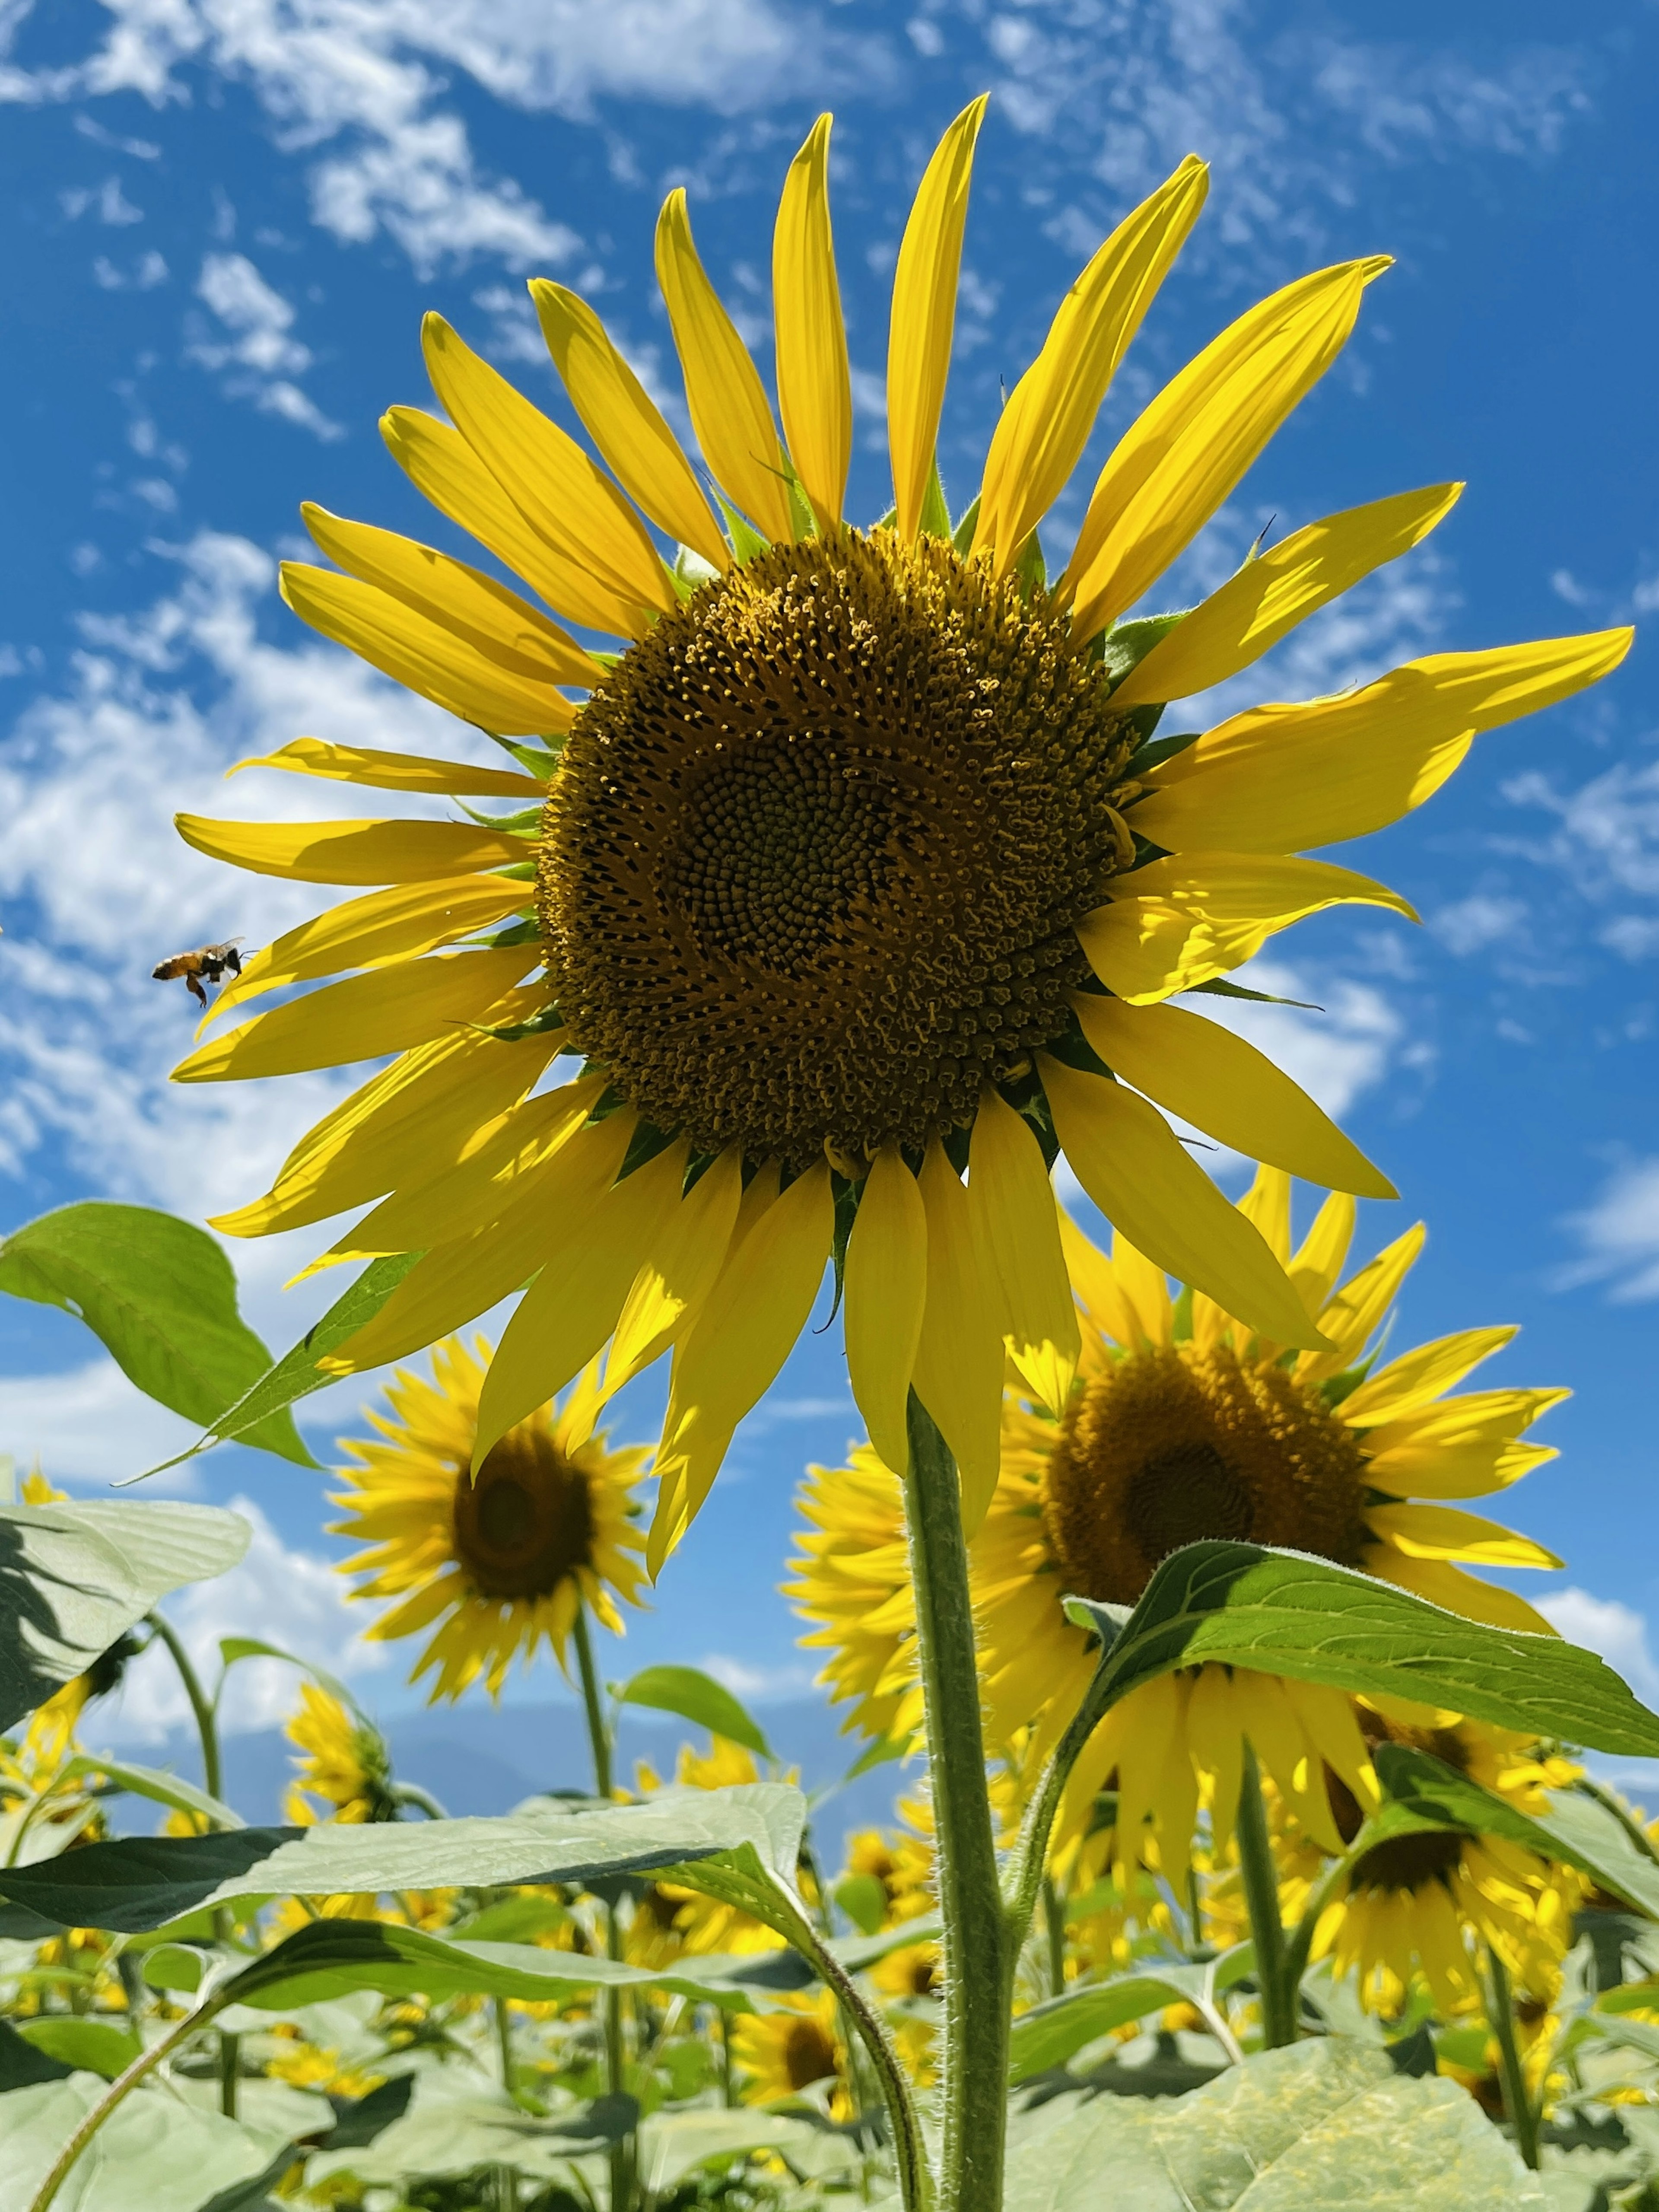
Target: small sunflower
345	1770
853	863
500	1558
1411	1904
672	1921
794	2050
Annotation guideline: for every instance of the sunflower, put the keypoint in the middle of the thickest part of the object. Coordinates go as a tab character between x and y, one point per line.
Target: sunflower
671	1921
790	2051
498	1554
853	861
1409	1904
345	1770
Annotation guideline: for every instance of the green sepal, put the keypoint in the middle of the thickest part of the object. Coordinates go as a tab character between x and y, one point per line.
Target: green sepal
1031	567
519	824
542	1022
935	511
1127	643
747	543
1220	987
646	1141
1153	752
540	761
845	1195
516	933
962	538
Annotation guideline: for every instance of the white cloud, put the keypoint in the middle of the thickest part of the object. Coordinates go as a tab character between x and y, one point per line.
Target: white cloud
108	200
259	342
1565	585
756	1684
91	1426
149	270
1337	1054
363	78
1607	831
294	1599
1406	102
1617	1631
1618	1234
1472	924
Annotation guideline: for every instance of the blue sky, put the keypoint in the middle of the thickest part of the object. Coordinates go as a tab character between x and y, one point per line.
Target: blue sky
223	220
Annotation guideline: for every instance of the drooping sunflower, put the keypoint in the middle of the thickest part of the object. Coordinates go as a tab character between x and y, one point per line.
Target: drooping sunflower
797	2048
856	861
495	1559
344	1771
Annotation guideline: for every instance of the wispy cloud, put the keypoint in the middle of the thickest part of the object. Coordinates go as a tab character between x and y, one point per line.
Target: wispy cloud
255	342
1618	1234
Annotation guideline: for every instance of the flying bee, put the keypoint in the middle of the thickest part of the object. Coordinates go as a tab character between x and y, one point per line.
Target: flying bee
209	963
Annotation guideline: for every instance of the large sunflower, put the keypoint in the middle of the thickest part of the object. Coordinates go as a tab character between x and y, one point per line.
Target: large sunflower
500	1558
855	864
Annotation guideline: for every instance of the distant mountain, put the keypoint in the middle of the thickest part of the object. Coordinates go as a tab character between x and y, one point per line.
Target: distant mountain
485	1759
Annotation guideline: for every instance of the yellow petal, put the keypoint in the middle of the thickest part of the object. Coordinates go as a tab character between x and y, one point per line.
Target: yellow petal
727	399
960	1359
1105	1303
1176	465
1226	1088
1128	1159
515	698
572	1306
502	626
1016	1223
443	467
1419	1376
1449	1588
1281	777
379	771
625	423
483	1181
366	933
1465	1470
679	1272
1267	1203
731	1355
925	312
1041	433
1352	1317
815	391
354	851
455	1283
1436	1532
886	1291
1177	922
413	1117
1276	590
1146	1288
388	1010
562	495
1319	1258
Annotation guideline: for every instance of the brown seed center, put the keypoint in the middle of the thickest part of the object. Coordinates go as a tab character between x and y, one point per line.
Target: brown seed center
526	1524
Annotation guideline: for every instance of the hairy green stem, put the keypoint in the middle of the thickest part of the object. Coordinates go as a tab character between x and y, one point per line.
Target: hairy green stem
206	1727
410	1793
978	1954
909	2149
616	2058
118	2093
1053	1920
1511	2074
1279	2001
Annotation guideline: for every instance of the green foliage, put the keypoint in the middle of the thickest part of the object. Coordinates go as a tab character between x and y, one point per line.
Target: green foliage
1050	2033
161	1296
1284	1613
152	2152
1310	2129
696	1697
74	1577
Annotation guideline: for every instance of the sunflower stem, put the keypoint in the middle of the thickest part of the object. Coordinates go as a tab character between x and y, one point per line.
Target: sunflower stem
1511	2073
200	1705
615	2057
1280	2002
975	1929
1054	1919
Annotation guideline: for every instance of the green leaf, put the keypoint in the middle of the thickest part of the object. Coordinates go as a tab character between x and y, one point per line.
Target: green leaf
1283	1613
1049	2033
674	2144
143	1882
296	1374
697	1698
175	1966
155	2151
863	1899
161	1296
1318	2126
1577	1832
22	2064
234	1649
159	1788
95	2046
74	1577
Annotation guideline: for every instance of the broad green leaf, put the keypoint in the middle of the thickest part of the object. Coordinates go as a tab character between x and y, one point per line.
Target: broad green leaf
73	1577
748	1835
863	1899
1319	2126
159	1788
161	1296
94	2046
697	1698
22	2064
1283	1613
451	2128
1049	2034
153	2152
234	1649
674	2144
1577	1830
273	1388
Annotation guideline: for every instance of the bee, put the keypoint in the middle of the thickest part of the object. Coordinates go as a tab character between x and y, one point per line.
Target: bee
208	964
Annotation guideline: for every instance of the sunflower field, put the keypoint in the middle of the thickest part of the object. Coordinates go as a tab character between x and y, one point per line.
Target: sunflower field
842	888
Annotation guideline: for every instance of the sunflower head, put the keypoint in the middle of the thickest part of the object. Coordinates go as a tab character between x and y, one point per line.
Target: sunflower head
795	2052
500	1560
344	1769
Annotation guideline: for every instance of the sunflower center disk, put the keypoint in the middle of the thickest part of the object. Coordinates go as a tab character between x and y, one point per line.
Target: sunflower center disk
810	870
1173	1445
526	1523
